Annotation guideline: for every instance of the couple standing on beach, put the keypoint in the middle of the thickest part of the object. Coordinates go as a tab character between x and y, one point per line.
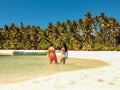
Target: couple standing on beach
52	54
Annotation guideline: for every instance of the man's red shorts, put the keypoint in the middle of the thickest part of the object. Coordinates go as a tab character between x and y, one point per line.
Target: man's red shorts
53	58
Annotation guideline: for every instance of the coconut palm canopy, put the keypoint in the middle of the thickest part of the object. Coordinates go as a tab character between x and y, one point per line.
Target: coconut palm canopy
98	32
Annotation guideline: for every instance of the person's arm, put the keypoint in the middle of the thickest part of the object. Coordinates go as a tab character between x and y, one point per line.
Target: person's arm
48	53
67	53
55	52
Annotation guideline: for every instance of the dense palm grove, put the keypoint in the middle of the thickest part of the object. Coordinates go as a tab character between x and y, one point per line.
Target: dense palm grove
90	33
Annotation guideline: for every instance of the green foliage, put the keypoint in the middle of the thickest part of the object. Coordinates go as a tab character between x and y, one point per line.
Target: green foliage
118	48
70	47
111	48
86	47
10	44
28	45
99	47
43	45
90	33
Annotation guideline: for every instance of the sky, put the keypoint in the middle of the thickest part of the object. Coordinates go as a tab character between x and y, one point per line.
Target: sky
41	12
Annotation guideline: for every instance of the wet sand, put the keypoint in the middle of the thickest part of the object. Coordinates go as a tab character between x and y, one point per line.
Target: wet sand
72	64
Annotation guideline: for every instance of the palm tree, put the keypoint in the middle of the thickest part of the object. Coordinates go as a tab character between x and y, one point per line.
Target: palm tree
103	20
88	28
113	31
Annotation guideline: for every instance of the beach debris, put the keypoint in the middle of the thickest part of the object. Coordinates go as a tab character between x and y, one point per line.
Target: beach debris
101	80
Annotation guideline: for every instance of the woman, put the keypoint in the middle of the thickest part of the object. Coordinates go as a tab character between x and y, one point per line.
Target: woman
64	55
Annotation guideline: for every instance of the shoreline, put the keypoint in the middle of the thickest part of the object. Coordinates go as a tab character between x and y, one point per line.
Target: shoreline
104	78
72	64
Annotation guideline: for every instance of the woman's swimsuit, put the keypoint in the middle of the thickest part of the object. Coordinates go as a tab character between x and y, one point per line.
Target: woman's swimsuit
64	55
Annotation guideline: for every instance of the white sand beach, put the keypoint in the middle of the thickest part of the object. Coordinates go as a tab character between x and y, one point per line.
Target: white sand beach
105	78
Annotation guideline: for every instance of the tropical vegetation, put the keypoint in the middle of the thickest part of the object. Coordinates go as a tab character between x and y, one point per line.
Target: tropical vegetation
98	32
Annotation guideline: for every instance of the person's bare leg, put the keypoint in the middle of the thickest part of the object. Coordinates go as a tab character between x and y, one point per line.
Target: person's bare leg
56	62
63	61
50	61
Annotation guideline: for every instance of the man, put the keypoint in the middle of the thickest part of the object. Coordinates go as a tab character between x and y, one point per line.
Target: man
52	54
